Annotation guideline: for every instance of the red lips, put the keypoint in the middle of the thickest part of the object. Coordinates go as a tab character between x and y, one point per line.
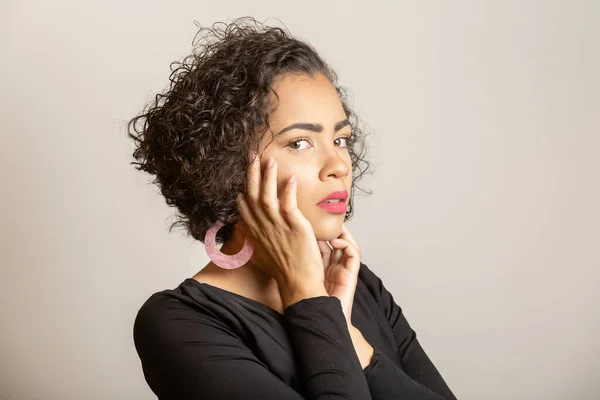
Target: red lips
341	194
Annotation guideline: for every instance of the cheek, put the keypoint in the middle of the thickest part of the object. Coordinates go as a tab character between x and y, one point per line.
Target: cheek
283	175
302	192
282	182
306	178
307	199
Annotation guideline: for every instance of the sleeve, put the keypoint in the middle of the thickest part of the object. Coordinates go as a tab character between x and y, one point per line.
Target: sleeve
190	355
419	374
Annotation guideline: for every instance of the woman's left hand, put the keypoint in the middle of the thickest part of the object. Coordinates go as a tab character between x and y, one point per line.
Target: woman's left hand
341	264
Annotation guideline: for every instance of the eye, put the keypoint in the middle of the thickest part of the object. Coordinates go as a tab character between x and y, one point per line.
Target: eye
346	140
293	142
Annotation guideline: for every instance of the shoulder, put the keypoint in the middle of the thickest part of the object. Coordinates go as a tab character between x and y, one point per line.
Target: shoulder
370	279
163	304
171	316
377	289
157	315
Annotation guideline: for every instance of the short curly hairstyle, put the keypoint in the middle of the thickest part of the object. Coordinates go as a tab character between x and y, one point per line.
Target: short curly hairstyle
195	136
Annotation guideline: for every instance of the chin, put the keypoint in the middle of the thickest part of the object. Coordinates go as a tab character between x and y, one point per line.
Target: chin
329	230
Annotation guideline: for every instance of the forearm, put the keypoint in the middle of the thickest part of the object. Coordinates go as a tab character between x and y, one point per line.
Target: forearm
323	347
385	379
363	349
293	292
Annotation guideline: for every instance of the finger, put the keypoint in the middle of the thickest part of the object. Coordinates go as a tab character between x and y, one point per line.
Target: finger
253	177
246	213
336	255
350	251
324	248
325	252
348	236
269	200
289	206
254	183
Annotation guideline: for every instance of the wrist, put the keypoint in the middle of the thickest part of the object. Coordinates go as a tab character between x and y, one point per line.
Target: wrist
292	293
363	349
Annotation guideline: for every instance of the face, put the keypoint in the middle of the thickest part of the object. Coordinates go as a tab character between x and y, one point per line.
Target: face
320	160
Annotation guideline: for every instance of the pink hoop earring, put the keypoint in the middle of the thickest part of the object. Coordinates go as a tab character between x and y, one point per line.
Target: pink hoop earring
223	260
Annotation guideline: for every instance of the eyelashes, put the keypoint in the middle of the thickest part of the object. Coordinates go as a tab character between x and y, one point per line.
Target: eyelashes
307	139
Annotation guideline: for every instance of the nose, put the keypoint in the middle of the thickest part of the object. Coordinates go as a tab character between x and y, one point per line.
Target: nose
336	163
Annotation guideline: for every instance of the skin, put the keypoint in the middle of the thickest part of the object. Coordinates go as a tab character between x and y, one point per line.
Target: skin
321	164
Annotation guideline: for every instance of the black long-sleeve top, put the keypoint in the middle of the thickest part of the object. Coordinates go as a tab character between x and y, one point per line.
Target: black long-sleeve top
197	341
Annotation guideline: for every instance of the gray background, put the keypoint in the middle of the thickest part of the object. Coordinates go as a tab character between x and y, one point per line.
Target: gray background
484	222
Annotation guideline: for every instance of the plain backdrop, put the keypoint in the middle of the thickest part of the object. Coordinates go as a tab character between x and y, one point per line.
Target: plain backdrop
484	122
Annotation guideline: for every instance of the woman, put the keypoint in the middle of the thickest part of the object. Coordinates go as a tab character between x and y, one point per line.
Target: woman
256	146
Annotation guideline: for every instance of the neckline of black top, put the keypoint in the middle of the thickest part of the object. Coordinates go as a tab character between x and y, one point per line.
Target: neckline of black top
235	295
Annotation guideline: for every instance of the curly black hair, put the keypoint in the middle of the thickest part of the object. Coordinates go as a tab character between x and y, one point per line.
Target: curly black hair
195	136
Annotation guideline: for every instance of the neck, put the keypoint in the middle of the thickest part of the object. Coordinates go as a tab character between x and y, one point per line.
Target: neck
249	279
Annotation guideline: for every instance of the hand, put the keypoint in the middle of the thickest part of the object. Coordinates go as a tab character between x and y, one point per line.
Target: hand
291	253
341	265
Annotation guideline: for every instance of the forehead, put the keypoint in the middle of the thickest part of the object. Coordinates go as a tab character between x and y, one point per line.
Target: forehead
302	98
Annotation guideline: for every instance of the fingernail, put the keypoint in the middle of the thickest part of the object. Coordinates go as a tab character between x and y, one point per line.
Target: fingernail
270	162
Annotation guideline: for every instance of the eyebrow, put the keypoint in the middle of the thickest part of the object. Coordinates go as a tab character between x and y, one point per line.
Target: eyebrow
313	127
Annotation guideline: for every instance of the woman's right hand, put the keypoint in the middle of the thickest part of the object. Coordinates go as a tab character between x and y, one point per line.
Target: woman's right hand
292	254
